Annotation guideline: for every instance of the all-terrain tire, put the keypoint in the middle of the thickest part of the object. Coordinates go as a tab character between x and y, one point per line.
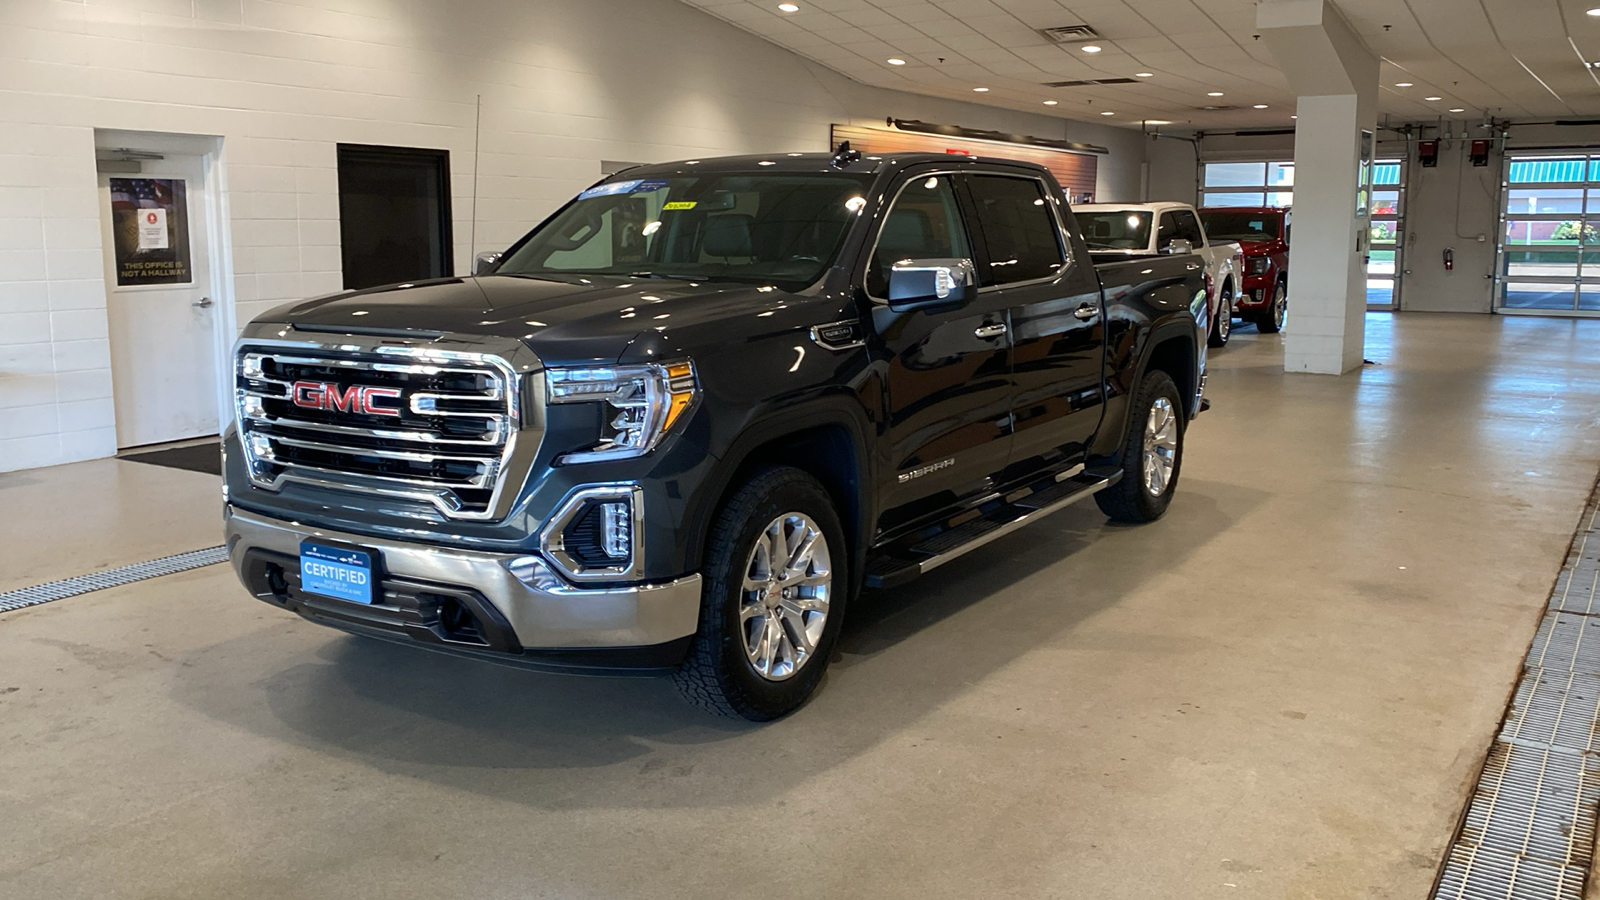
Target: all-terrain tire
1130	499
718	674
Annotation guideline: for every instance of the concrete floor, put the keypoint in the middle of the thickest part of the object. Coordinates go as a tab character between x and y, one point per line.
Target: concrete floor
1281	690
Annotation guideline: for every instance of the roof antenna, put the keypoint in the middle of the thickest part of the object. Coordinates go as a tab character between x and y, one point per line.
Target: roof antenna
844	156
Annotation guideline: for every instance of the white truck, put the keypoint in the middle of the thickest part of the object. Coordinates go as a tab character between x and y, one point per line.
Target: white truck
1121	230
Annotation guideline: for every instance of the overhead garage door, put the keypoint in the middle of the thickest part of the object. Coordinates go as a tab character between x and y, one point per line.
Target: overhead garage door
1550	235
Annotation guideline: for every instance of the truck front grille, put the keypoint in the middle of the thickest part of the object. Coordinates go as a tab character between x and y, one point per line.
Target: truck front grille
397	421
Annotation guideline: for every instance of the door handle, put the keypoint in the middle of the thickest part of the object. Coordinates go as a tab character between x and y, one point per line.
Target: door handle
1087	311
203	302
990	331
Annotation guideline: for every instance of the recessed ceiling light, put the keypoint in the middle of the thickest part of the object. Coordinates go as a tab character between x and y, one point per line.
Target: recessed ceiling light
1214	94
1458	109
1261	106
1402	84
1294	117
896	61
788	7
1108	113
1594	12
1051	102
1144	74
1431	99
1157	122
1091	48
981	90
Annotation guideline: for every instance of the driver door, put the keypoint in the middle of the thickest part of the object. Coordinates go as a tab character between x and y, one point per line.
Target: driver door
948	379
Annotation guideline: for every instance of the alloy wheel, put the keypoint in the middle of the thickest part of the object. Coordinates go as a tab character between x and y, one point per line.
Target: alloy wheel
1225	317
783	604
1160	446
1280	306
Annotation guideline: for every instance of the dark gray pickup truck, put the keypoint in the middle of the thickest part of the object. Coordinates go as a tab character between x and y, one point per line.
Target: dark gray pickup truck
678	426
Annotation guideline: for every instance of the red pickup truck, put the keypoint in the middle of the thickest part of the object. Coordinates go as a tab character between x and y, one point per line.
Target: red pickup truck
1263	234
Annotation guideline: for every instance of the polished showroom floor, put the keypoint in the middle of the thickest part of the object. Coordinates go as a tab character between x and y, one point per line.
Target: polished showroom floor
1281	690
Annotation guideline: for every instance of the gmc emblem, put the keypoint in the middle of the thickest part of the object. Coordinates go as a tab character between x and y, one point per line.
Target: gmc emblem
356	398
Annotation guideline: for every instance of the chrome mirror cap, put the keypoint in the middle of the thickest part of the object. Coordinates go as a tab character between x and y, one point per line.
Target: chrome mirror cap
486	261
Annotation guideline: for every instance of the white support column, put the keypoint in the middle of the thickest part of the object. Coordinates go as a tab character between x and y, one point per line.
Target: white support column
1336	78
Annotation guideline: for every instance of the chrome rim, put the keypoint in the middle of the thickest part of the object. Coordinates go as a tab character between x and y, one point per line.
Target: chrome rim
788	582
1160	446
1225	317
1280	307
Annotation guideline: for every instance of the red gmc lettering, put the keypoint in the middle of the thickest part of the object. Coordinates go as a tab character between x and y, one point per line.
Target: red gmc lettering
355	398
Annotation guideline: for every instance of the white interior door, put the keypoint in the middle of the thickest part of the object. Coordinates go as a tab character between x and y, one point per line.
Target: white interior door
163	335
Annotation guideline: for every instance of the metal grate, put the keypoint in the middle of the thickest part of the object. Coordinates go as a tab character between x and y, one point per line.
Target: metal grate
1529	827
95	581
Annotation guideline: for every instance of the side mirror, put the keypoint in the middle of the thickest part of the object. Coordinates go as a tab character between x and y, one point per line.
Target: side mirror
486	262
1178	247
916	283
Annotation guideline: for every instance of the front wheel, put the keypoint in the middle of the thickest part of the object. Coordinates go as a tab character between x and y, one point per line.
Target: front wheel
775	583
1222	324
1152	454
1272	321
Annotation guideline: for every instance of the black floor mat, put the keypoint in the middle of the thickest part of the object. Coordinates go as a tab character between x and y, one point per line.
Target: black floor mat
197	458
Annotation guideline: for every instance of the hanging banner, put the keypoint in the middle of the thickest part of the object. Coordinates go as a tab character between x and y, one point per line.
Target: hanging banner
150	222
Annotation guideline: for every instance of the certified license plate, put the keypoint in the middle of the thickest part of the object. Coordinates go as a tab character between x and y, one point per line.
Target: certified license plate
336	572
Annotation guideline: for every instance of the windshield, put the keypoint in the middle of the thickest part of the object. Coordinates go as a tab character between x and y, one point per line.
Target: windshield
1239	226
1126	229
781	229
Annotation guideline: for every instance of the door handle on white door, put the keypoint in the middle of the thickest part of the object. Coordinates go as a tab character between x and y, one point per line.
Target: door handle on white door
203	302
990	331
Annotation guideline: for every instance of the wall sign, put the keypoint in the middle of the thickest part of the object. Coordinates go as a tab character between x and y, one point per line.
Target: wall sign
150	222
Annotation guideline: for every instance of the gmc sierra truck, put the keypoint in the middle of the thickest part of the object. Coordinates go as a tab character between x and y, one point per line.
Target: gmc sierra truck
678	426
1262	232
1126	230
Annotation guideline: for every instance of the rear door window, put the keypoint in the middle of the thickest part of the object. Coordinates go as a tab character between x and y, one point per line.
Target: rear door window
1019	228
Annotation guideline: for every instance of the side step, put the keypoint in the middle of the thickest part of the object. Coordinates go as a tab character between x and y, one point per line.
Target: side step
901	565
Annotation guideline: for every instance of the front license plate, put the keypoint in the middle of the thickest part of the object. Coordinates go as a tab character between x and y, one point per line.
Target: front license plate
336	572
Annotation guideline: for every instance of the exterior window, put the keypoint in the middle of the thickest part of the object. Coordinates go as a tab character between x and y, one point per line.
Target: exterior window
924	223
1018	228
1247	184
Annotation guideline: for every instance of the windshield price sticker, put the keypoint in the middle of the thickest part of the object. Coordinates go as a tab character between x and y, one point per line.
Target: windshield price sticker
680	204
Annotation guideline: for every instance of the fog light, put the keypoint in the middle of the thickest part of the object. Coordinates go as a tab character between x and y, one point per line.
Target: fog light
616	536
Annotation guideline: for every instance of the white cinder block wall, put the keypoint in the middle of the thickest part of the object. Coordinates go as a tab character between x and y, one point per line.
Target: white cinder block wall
564	85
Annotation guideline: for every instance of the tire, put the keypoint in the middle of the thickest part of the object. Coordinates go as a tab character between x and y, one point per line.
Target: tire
1222	322
1130	500
748	657
1271	321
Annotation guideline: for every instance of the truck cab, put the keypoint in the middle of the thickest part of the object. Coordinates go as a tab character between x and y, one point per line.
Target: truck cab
1262	233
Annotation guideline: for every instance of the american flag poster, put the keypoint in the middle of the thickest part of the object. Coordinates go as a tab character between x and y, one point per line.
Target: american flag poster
151	221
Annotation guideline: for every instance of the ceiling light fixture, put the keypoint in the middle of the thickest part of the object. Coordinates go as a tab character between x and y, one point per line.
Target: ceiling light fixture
1108	113
1214	94
1157	122
788	7
981	90
1431	99
896	61
1051	102
1261	106
1144	74
1402	84
1594	12
1091	48
1458	109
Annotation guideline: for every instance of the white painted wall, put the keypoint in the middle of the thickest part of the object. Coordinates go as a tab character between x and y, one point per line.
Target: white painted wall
1174	170
565	84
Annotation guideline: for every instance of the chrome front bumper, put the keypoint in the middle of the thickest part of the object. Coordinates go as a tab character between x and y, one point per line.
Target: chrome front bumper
553	615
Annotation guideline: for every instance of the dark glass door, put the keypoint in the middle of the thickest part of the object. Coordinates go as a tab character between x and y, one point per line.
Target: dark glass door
394	214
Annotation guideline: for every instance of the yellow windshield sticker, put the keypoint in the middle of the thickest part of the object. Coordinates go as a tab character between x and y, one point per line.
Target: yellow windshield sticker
680	204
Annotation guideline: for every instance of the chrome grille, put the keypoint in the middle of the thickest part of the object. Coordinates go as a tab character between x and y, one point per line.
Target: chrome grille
443	431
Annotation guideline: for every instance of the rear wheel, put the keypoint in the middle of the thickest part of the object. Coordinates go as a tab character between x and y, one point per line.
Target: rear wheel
1271	322
1152	454
1222	324
775	583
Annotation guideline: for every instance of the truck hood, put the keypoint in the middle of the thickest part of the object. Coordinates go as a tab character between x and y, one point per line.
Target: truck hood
567	322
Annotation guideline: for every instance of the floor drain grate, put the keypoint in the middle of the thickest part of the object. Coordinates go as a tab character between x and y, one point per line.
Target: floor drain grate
1529	827
83	584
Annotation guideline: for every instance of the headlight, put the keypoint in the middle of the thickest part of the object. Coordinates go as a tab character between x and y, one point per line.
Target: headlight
644	402
1257	265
